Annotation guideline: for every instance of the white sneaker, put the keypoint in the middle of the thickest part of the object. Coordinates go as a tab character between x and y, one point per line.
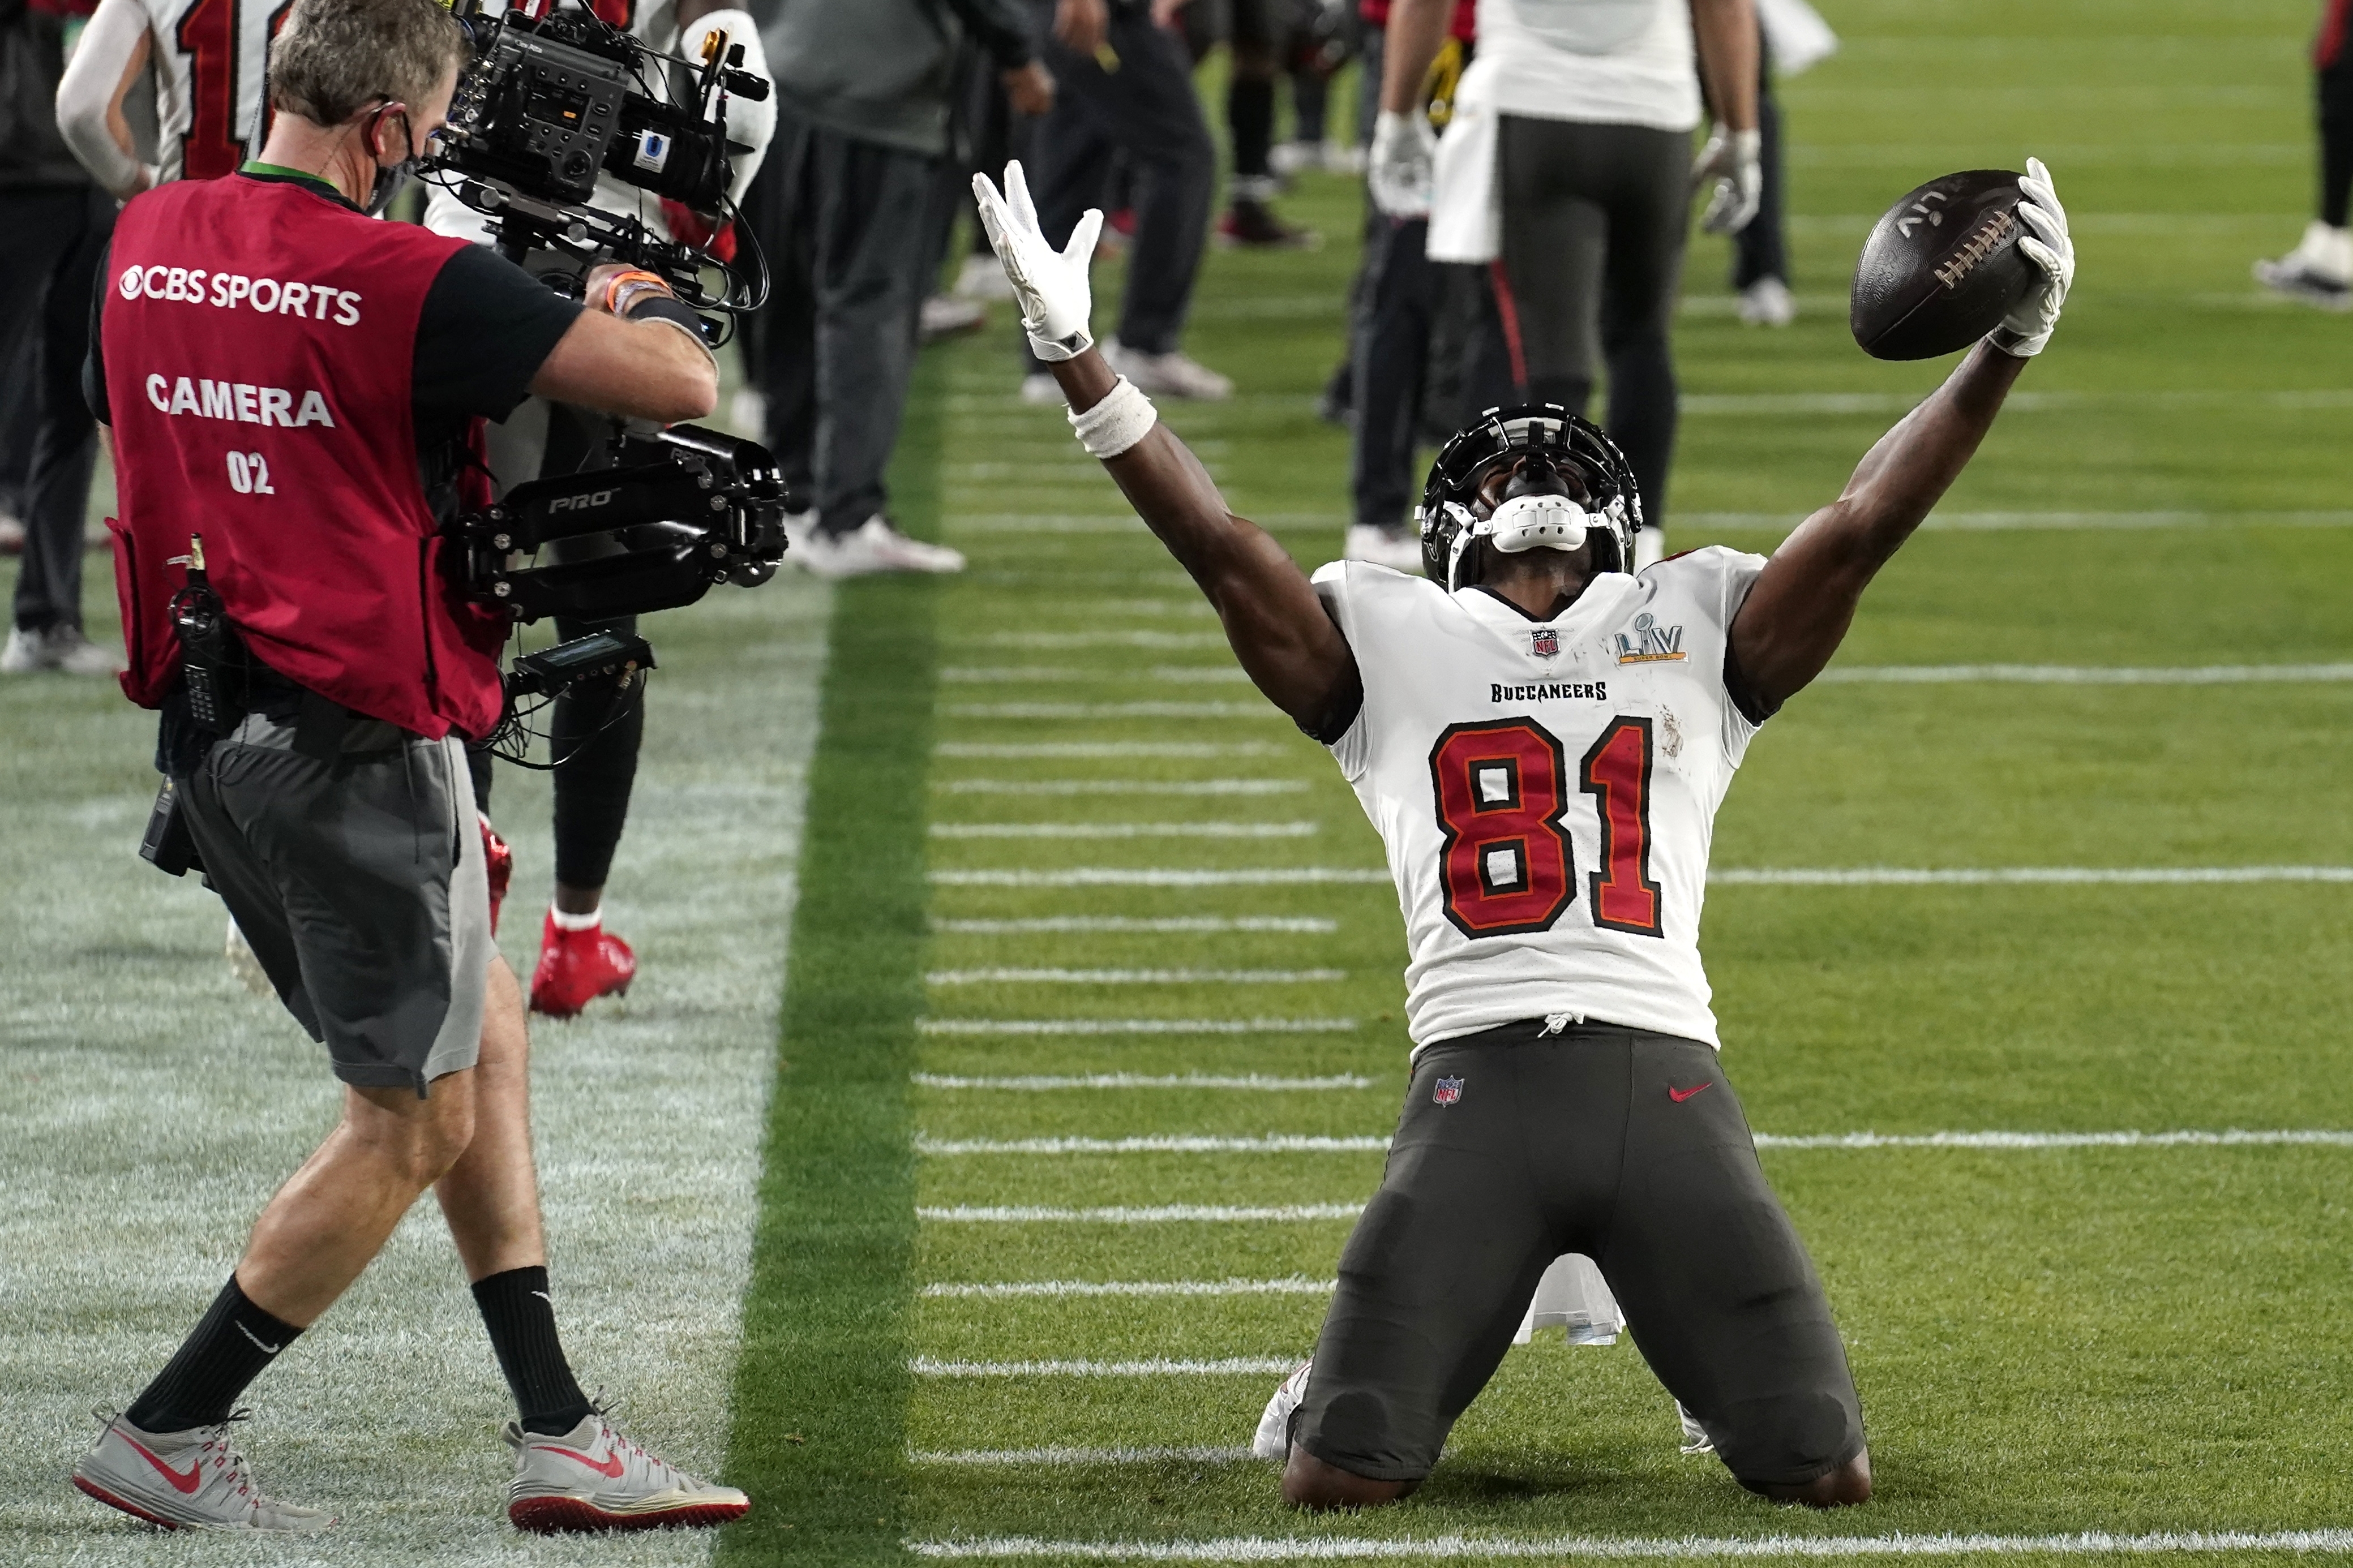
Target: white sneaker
1767	302
592	1478
1040	389
1273	1440
876	547
1391	547
2318	271
245	964
946	315
62	648
983	277
184	1481
1171	374
1695	1438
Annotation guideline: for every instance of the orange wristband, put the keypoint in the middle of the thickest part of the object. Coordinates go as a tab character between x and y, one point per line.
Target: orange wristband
636	276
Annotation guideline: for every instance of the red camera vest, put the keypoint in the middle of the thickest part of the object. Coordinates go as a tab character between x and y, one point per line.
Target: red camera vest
258	339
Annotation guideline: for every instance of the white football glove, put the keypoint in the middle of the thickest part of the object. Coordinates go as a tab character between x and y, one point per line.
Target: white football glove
2028	327
1734	160
1050	285
1398	175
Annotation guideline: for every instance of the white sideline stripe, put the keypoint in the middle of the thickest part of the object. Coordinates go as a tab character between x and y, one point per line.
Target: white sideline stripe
1148	877
1230	1366
1132	976
1138	923
1112	710
1275	1549
1993	521
1124	829
1228	1456
2092	674
1101	639
1135	1026
1121	786
1897	875
2228	1138
1166	1214
1169	1144
1295	1285
1042	1081
1106	748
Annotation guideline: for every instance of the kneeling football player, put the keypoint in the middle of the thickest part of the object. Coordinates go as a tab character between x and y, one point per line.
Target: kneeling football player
1542	738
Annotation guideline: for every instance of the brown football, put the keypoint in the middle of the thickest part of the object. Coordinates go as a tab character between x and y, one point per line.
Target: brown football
1942	269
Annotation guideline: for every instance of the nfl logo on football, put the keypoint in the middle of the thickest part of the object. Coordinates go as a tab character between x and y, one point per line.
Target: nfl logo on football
1447	1091
1544	643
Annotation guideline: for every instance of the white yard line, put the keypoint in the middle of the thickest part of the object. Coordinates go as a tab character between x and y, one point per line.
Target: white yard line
1103	749
1124	829
1167	1144
1121	786
1134	977
1169	924
1151	876
1101	639
1041	1082
1773	404
2090	674
1135	1026
1897	875
1569	1549
1111	711
1166	1214
1036	675
1229	1367
2004	522
1024	1457
1295	1285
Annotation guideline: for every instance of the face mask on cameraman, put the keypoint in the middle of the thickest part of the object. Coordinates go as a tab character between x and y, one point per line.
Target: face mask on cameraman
390	182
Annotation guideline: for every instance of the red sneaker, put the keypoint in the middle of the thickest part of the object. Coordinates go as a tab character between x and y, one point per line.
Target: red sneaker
575	967
498	862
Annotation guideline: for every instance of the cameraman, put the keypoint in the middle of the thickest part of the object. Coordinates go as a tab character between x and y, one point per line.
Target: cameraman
294	383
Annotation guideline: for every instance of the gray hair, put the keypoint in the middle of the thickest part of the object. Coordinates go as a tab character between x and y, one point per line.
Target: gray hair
333	58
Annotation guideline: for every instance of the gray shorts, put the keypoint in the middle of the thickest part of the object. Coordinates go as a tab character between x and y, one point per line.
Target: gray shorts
1630	1148
358	878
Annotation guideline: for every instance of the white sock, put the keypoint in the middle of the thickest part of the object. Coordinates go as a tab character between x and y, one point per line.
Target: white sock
588	921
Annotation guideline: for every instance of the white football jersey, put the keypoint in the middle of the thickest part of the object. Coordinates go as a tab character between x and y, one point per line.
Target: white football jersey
1546	790
211	60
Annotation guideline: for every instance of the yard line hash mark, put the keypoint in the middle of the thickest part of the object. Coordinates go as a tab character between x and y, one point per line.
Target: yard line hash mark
1134	977
1042	1082
1295	1285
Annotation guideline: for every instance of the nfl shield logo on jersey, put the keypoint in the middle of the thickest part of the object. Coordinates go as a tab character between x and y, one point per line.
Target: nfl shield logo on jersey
1447	1091
1544	643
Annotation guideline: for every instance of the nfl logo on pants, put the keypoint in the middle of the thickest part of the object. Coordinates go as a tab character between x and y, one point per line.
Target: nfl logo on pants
1447	1091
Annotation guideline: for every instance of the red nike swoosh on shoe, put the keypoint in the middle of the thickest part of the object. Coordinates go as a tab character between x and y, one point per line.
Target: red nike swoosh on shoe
609	1467
180	1483
1680	1095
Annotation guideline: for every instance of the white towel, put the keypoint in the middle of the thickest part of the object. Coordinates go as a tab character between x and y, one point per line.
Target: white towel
1466	208
1573	1294
1796	34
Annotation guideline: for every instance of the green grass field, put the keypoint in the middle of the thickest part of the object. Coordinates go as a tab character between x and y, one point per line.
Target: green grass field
1010	920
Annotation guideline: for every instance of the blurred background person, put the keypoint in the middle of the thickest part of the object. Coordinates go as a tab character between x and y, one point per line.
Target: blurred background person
1792	37
55	223
1260	36
1326	42
1123	90
2319	270
1569	158
865	94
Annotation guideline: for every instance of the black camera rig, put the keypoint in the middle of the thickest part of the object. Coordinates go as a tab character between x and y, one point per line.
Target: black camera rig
548	102
676	513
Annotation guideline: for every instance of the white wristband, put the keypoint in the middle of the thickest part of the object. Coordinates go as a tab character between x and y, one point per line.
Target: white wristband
1123	419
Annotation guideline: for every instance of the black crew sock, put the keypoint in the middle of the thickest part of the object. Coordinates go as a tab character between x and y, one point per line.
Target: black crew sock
230	1345
522	1321
1249	117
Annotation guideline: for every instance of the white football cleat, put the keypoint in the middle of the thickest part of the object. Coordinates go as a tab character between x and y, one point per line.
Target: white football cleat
2318	271
1695	1438
1171	374
60	648
877	547
1392	547
594	1479
1767	302
1273	1440
184	1481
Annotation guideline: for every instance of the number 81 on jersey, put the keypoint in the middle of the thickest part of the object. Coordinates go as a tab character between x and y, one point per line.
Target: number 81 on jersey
1506	865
